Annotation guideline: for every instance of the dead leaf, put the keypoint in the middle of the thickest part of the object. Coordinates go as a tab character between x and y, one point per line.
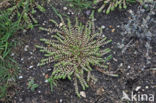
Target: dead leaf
113	30
110	26
100	91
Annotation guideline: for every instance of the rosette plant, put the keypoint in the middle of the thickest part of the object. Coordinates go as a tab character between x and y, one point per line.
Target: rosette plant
74	50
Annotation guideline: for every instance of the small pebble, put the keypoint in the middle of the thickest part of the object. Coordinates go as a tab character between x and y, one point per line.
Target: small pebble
68	13
103	27
129	67
137	88
22	59
103	35
26	48
12	54
146	87
46	81
130	11
99	91
72	13
64	8
20	77
135	52
49	69
61	100
43	24
83	94
38	64
115	59
60	24
30	67
31	53
121	64
20	99
113	30
114	52
39	91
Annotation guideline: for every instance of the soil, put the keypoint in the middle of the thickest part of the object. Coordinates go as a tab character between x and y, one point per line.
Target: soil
134	73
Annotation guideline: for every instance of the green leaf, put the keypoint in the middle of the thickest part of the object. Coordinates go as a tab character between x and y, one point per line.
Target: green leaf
42	9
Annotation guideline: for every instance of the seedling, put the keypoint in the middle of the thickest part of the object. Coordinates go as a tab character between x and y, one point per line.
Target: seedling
32	85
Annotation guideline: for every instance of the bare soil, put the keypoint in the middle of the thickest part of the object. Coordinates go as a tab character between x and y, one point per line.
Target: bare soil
131	66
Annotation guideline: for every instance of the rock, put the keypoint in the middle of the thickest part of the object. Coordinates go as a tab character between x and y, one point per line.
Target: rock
12	54
22	59
20	99
31	53
146	87
99	91
113	30
103	36
130	11
61	100
72	13
20	77
103	27
43	24
26	48
135	52
68	13
38	64
30	67
83	94
61	24
115	59
49	70
121	64
39	91
65	8
137	88
46	81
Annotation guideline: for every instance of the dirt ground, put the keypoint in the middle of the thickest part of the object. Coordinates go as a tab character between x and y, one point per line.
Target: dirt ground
131	66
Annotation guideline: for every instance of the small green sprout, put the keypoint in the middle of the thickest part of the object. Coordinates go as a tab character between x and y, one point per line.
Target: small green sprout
32	85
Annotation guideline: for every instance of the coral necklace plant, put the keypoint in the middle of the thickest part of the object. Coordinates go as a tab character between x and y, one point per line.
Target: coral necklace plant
74	50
